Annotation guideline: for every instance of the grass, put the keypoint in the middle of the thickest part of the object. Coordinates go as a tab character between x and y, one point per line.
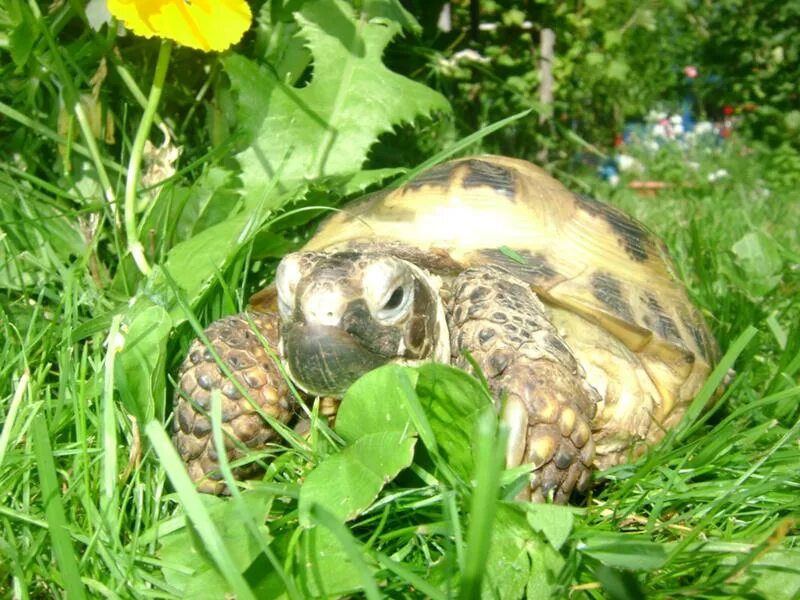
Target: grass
94	503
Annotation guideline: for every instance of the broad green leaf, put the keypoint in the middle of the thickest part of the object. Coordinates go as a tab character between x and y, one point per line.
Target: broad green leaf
777	573
327	570
555	522
373	421
519	559
453	402
625	551
374	404
347	482
327	127
759	258
188	566
192	264
140	367
351	554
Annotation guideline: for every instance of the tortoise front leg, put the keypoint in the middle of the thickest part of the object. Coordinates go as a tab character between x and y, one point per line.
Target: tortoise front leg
548	405
241	350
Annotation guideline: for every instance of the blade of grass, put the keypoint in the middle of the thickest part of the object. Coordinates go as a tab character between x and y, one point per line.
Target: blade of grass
108	440
350	546
714	381
462	144
236	495
196	510
426	588
489	456
11	415
57	524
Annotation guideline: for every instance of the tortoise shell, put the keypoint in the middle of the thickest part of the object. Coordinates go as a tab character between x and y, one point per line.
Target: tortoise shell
578	254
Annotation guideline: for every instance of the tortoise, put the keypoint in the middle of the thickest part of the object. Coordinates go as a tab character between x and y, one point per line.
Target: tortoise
570	308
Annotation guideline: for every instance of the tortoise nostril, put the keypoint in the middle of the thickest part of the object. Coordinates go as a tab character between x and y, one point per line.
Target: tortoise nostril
323	307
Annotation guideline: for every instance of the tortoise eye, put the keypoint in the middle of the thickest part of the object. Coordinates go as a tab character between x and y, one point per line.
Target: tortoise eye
395	300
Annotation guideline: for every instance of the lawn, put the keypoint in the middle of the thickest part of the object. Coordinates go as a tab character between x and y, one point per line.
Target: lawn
103	285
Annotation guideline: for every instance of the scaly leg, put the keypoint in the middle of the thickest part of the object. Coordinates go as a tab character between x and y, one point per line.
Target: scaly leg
545	398
253	367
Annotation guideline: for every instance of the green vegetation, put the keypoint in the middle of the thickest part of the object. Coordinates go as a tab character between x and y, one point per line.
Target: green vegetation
319	103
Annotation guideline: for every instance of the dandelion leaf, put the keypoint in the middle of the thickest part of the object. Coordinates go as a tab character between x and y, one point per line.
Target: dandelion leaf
325	128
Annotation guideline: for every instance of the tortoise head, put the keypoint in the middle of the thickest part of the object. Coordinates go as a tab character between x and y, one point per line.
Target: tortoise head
345	313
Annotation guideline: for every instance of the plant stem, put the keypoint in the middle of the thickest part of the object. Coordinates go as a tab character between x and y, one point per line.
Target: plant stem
134	165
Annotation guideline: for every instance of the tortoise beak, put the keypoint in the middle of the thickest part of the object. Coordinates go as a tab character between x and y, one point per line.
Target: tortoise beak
325	360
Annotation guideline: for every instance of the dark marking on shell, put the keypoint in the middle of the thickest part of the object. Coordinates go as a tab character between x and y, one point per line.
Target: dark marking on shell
535	268
483	173
696	333
664	326
435	260
474	310
608	290
633	236
438	176
499	317
230	390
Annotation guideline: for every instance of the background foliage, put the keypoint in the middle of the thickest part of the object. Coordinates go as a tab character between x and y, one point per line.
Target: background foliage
321	101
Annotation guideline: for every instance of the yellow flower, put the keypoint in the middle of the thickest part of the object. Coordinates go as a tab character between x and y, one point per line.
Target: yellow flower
201	24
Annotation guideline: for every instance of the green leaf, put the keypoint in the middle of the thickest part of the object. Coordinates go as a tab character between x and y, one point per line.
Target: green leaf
594	58
519	559
612	38
453	402
618	69
625	552
188	565
555	522
140	367
777	573
22	39
347	483
373	421
327	127
374	404
225	553
328	571
759	258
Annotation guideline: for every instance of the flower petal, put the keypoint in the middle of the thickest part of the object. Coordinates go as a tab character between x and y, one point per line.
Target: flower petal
201	24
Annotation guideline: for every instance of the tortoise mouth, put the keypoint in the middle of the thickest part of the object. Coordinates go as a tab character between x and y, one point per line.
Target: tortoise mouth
325	360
